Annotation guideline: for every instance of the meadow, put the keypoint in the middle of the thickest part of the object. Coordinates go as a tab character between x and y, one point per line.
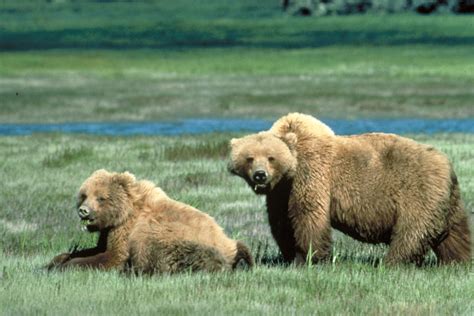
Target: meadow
41	174
85	61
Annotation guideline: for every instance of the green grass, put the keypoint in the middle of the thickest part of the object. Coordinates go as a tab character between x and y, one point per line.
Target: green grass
348	82
338	288
162	60
65	156
39	182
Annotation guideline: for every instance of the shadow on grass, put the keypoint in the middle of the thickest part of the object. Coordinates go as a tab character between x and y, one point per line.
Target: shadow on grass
265	255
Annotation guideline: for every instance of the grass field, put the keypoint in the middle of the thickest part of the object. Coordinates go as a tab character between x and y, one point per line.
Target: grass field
41	174
163	60
227	59
340	82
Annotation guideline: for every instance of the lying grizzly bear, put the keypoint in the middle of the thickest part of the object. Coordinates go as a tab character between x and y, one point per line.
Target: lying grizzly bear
377	188
142	229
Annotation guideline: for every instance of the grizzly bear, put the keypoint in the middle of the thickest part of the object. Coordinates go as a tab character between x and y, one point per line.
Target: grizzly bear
142	229
376	188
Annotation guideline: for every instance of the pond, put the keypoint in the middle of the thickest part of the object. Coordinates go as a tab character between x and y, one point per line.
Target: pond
200	126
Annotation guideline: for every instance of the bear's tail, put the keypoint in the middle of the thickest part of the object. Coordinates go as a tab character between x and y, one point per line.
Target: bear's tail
456	247
243	256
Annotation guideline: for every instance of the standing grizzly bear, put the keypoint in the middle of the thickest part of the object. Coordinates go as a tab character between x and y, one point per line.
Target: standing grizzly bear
141	228
377	188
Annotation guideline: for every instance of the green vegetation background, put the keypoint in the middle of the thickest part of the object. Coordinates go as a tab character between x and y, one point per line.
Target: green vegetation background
86	61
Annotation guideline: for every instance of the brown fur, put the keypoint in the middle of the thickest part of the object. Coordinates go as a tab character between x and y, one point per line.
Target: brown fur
377	188
243	256
139	224
151	256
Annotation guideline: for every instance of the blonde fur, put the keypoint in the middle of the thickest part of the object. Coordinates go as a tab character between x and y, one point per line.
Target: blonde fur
139	225
377	188
302	125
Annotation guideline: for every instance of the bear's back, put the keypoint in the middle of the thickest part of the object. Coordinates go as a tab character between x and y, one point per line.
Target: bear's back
394	166
173	220
394	151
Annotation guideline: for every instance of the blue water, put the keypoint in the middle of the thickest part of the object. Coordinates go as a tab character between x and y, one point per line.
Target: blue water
200	126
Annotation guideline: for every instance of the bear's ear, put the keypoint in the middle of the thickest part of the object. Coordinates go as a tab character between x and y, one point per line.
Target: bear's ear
100	173
290	139
233	142
124	179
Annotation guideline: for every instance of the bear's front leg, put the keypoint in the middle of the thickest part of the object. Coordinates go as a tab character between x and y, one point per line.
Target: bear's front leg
58	260
313	241
283	233
312	230
280	223
63	258
102	261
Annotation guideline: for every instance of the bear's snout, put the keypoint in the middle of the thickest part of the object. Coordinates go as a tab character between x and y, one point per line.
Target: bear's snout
84	212
259	176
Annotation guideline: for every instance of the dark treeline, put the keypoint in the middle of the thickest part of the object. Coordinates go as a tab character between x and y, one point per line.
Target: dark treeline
178	24
328	7
295	7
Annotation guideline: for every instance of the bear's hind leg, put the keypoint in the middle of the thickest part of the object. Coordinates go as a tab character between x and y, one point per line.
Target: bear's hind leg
192	256
139	260
456	247
243	257
175	256
407	246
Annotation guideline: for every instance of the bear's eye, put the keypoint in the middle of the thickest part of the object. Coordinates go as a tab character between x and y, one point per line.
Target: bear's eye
249	159
101	199
271	159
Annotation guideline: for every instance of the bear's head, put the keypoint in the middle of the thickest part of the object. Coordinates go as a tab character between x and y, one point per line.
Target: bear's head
263	159
104	200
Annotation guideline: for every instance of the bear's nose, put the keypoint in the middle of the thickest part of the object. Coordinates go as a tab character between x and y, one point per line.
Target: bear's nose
84	212
260	176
